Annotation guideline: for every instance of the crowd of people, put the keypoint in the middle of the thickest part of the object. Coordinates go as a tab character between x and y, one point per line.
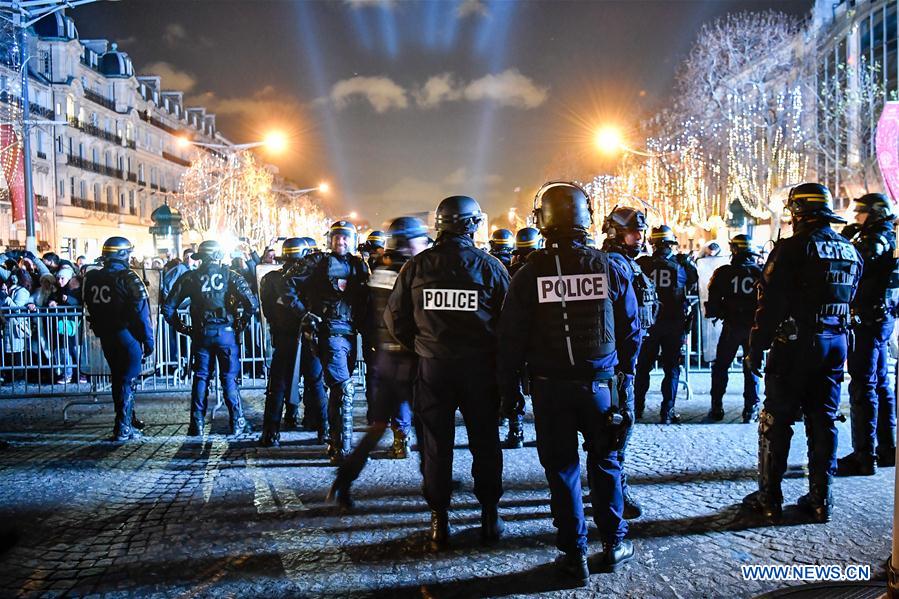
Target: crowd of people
545	315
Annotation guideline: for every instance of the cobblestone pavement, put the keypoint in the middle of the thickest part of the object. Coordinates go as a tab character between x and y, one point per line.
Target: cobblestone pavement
176	516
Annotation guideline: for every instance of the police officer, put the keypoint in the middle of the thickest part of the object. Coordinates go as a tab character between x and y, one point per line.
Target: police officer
394	367
674	278
625	231
217	295
329	291
733	299
446	305
527	240
118	310
805	292
374	247
502	242
874	310
571	316
285	337
314	395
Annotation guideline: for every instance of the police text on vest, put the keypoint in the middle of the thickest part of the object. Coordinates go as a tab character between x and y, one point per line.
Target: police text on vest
460	300
572	288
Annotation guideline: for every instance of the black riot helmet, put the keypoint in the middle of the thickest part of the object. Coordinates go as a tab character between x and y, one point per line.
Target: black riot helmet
662	236
209	250
877	205
458	214
310	243
502	240
809	201
343	227
527	239
404	229
742	244
294	248
621	220
117	248
376	239
562	208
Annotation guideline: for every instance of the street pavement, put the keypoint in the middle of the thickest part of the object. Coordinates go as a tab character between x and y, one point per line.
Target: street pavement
174	516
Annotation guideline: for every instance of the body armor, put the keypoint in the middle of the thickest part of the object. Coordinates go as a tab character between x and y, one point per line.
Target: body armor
826	285
877	297
669	278
281	318
115	297
732	291
574	322
380	286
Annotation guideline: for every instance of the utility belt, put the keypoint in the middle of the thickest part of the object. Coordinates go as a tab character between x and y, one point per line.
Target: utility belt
791	329
573	375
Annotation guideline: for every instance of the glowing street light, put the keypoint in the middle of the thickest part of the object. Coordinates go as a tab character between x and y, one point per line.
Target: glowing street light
324	187
608	140
275	142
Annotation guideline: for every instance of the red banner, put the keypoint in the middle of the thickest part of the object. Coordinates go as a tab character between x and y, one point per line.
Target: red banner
13	170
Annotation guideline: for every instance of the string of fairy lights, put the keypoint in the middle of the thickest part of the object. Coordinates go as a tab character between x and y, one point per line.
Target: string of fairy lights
234	196
11	110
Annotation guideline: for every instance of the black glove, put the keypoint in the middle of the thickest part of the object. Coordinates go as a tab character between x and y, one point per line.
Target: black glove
148	349
182	327
752	362
241	325
312	320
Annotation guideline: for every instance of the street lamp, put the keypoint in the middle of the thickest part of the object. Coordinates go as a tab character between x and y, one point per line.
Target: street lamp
609	140
322	188
275	142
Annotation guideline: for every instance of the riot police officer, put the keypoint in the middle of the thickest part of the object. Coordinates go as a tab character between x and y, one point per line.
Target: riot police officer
674	279
571	316
446	305
118	310
285	337
625	231
314	396
874	311
374	247
806	288
527	240
733	299
502	242
221	307
329	291
393	367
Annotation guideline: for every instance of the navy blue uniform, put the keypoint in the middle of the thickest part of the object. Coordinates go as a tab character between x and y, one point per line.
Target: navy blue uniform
804	295
118	310
874	309
215	293
571	316
503	255
673	280
445	306
733	298
333	288
286	336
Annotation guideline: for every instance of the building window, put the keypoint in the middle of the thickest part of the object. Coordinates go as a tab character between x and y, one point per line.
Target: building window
59	144
95	156
97	192
82	187
109	196
45	62
62	188
140	173
72	186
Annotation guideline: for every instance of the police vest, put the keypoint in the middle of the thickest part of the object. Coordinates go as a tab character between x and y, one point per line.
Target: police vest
669	279
209	295
109	296
877	296
281	319
380	285
335	290
574	322
827	281
647	298
740	292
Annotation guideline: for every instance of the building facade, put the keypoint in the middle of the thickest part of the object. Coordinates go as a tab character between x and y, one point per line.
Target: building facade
117	157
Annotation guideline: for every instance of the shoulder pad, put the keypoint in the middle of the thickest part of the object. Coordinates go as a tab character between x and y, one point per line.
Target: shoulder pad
135	283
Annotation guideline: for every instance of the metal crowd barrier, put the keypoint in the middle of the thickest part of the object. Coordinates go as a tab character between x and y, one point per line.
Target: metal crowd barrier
52	352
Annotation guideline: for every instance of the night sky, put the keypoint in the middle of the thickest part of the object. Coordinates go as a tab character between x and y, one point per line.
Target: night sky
398	104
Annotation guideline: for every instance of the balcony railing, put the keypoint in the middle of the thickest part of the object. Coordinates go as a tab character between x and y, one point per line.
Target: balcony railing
99	99
96	131
41	155
95	206
154	187
157	123
132	177
8	98
89	165
42	201
175	159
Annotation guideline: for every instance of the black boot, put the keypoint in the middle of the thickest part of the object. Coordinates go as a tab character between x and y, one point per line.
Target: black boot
616	554
270	436
716	414
291	417
670	418
750	414
818	502
762	504
886	457
123	431
324	433
196	425
573	564
515	438
439	540
768	500
856	464
492	526
340	494
136	422
400	448
341	444
239	424
632	509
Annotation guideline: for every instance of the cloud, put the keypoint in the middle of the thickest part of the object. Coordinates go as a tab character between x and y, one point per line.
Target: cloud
460	176
267	102
172	78
366	3
381	92
174	34
438	89
509	88
472	7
